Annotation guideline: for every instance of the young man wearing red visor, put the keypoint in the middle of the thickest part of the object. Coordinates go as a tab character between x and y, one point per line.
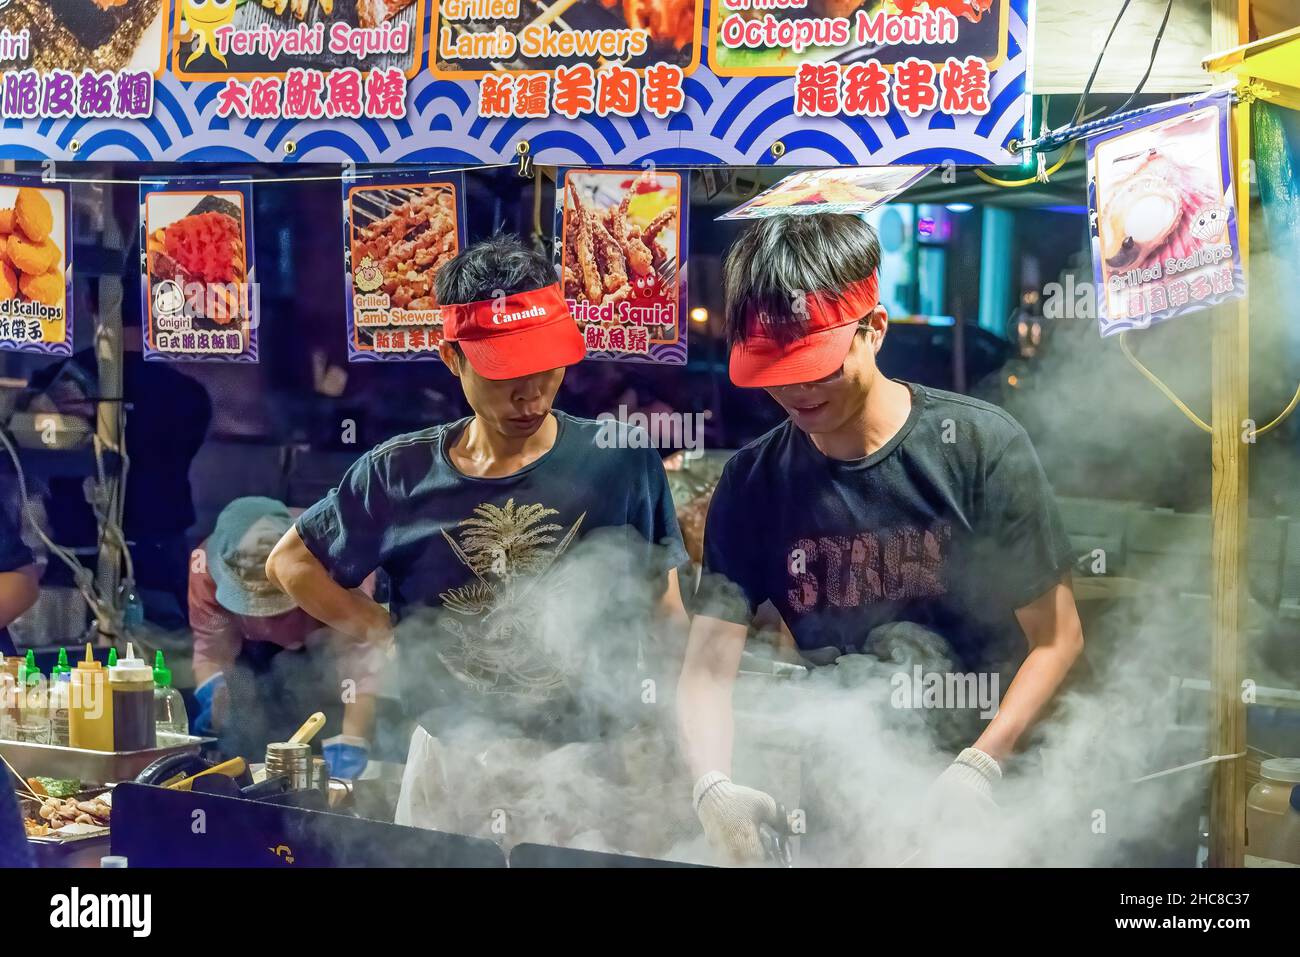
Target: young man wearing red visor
876	503
476	523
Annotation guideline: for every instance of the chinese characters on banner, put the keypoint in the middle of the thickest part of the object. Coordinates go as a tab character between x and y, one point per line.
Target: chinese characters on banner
588	57
864	59
399	229
622	257
35	267
198	289
1161	214
66	60
301	59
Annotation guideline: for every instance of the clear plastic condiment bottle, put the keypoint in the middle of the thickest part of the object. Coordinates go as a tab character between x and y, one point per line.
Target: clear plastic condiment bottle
1273	812
8	701
33	703
168	705
90	716
60	699
130	687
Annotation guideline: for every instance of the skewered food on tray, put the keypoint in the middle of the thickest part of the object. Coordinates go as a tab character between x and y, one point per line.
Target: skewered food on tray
57	813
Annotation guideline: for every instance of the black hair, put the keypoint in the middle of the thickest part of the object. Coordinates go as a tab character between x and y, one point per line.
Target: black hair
500	266
780	259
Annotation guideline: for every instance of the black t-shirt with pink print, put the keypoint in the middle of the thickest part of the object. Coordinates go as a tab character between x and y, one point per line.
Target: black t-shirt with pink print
951	525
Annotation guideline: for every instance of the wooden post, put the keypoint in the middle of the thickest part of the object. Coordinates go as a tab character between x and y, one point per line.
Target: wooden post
1230	369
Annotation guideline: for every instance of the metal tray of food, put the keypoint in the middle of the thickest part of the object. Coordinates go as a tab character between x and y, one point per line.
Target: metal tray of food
99	767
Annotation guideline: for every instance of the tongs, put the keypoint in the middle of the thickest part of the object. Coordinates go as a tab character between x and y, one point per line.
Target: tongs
774	836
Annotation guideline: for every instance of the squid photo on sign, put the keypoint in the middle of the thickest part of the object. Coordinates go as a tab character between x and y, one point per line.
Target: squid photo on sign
620	248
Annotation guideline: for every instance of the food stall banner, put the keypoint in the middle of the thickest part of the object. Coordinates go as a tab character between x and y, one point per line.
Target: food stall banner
1161	214
622	255
399	228
840	191
35	266
198	287
460	82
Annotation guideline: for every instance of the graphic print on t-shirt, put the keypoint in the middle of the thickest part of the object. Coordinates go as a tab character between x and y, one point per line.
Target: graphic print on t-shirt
512	552
842	571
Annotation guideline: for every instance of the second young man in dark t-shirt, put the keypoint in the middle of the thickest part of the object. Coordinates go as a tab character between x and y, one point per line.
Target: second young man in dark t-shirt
877	505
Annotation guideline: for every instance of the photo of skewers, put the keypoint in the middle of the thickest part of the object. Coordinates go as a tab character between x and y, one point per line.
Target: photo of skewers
33	267
399	236
78	35
195	51
199	288
621	239
670	27
981	26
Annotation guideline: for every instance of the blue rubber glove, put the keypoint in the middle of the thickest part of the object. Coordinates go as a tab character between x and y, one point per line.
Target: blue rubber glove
206	721
346	756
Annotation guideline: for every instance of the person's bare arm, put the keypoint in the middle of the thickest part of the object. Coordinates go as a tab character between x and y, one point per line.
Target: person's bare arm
704	715
293	569
1051	625
359	716
19	590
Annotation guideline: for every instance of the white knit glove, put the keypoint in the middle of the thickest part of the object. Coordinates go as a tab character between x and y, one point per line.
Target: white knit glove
968	780
731	814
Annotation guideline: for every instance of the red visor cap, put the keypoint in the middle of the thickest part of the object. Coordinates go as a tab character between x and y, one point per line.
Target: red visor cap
761	361
520	335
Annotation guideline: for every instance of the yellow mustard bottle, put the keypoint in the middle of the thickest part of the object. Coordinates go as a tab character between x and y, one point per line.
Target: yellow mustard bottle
90	715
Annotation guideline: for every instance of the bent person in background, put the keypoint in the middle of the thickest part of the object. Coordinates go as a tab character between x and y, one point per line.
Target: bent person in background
261	663
881	515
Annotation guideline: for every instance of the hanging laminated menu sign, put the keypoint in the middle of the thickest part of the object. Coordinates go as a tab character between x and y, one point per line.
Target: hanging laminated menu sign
198	286
399	229
301	59
1161	214
35	267
80	59
622	258
569	58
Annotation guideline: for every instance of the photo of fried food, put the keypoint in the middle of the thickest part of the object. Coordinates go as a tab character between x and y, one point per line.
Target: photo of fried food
31	254
407	234
620	237
668	27
203	252
87	34
32	214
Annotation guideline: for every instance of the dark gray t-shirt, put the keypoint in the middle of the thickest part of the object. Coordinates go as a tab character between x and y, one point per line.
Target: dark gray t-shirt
520	599
951	525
